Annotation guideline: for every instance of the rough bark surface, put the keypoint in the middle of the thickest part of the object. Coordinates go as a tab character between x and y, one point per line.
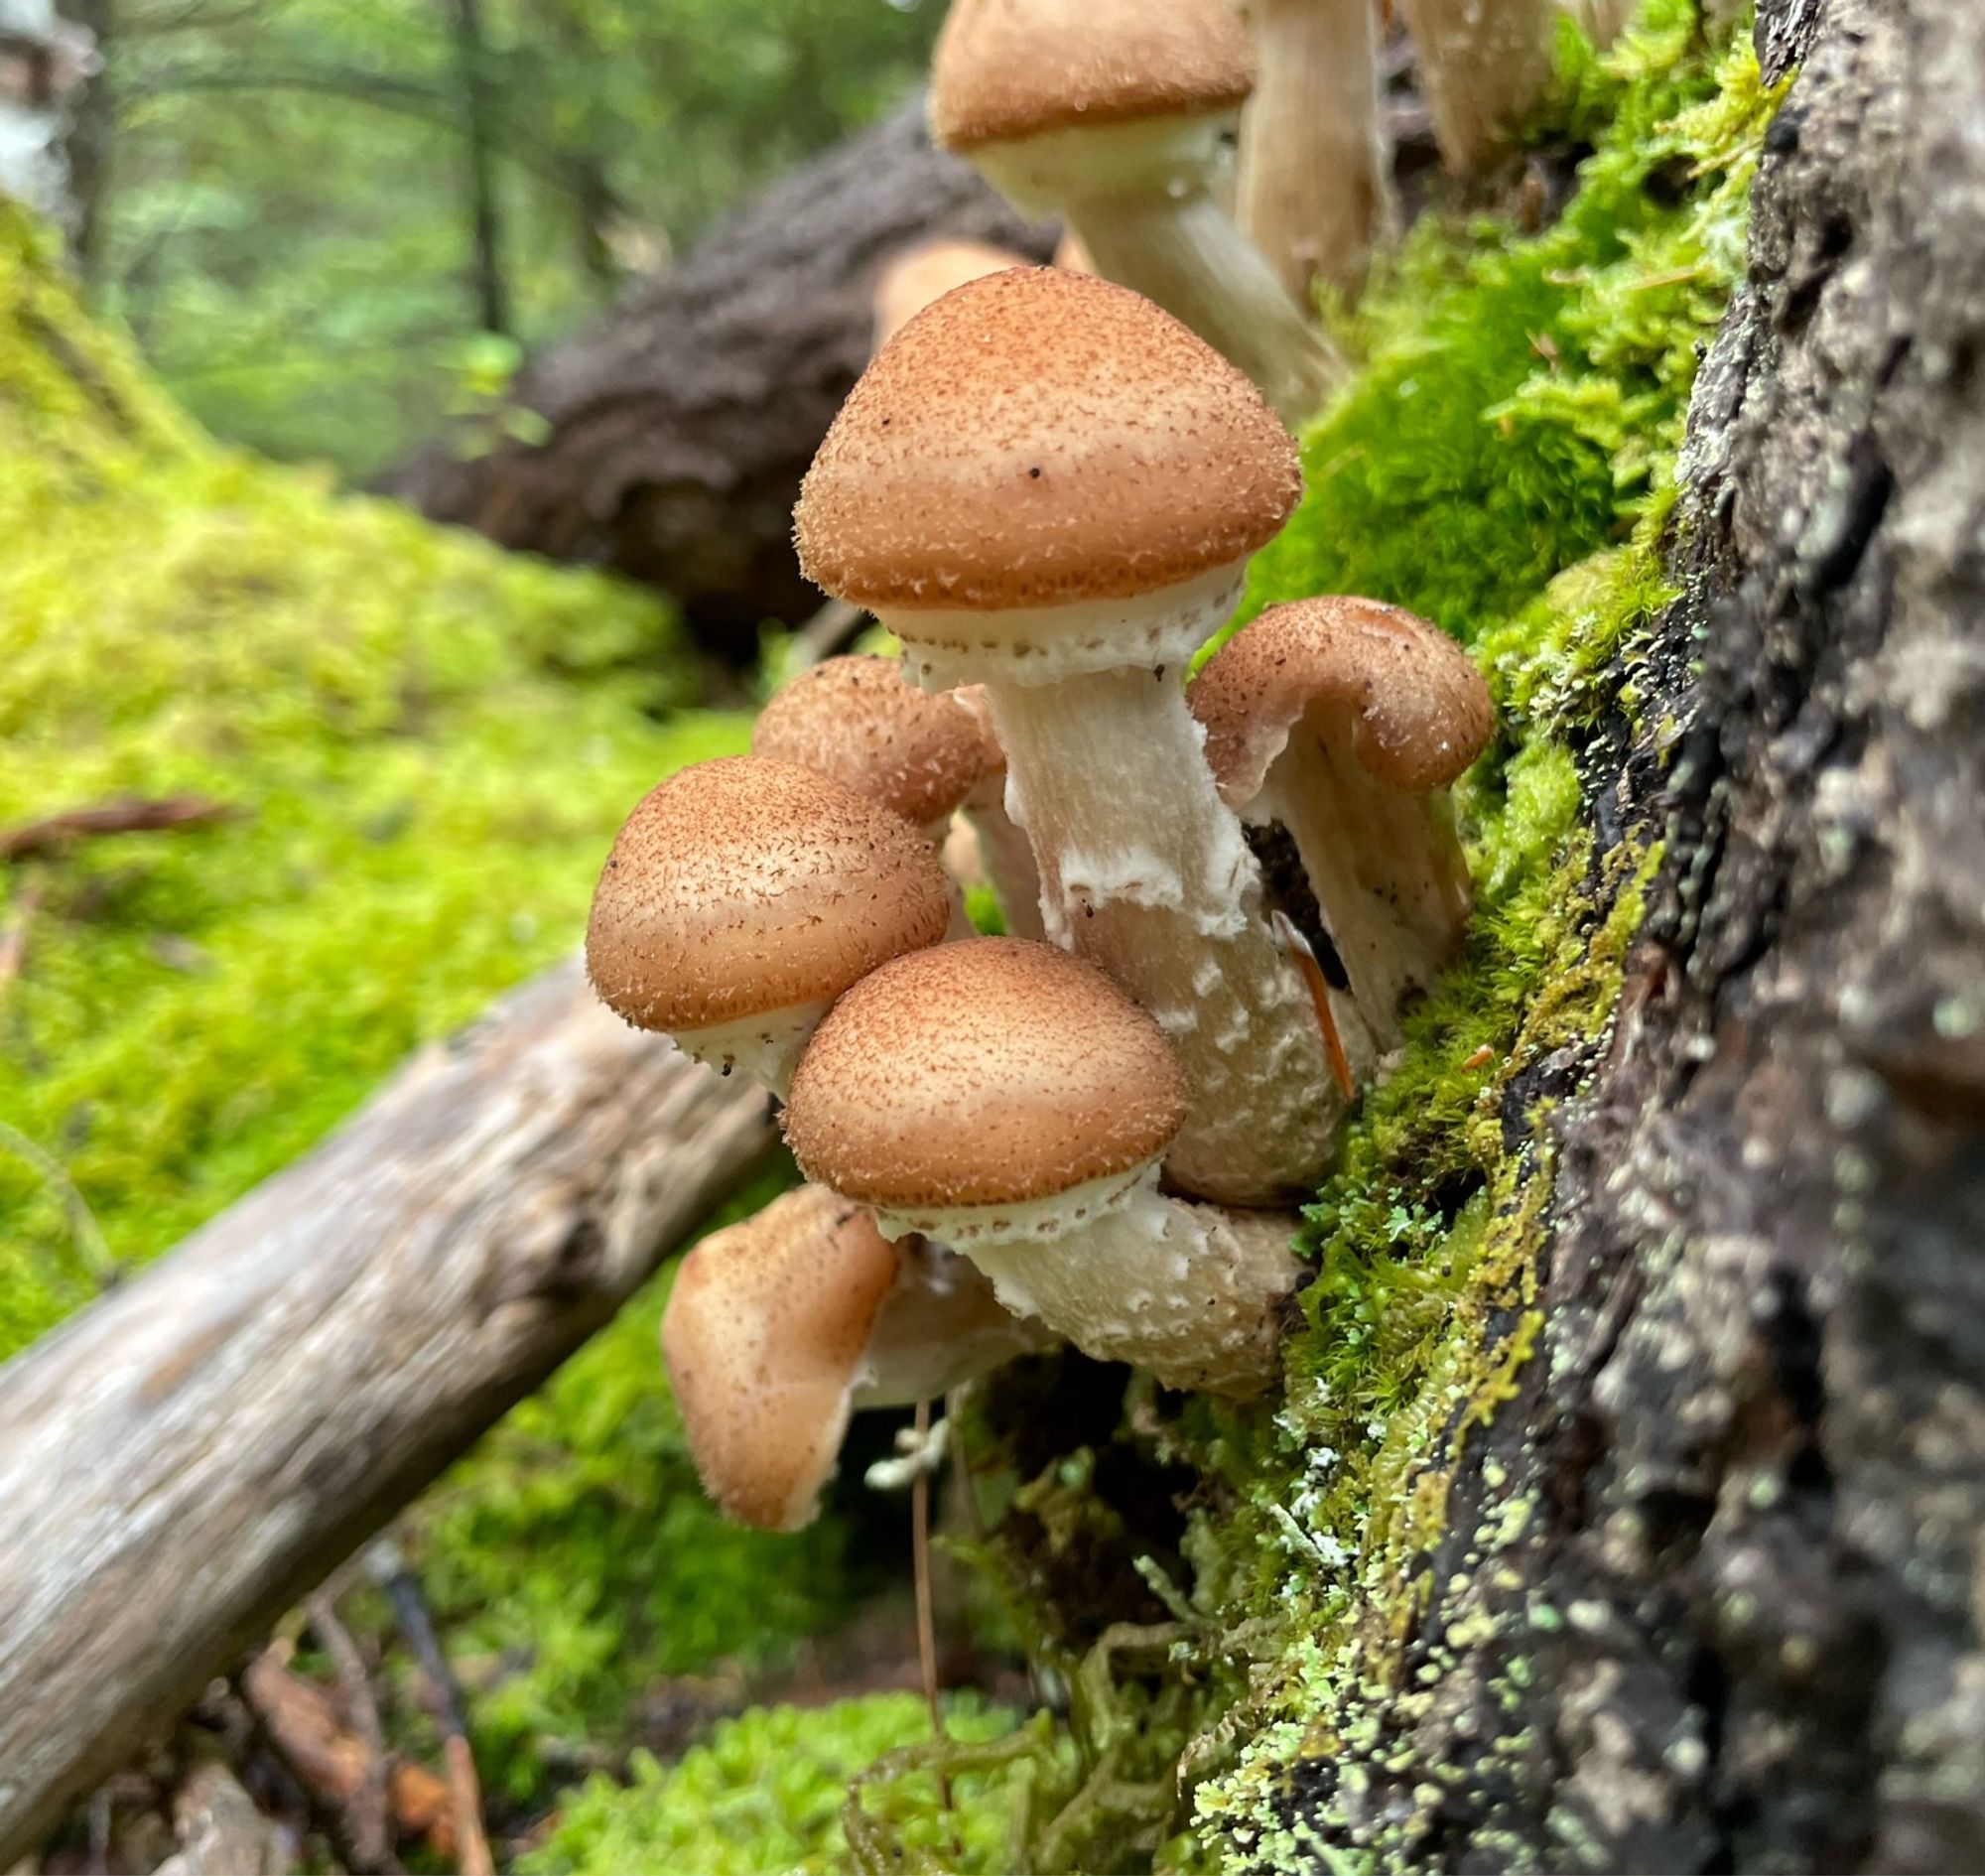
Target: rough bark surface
183	1461
680	424
1741	1627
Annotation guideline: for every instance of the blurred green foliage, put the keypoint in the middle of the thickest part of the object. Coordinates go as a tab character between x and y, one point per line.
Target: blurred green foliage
284	216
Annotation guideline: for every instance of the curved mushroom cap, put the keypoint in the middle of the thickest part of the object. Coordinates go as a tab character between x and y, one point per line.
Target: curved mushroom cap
914	277
988	1072
859	720
764	1340
1040	438
1418	708
1009	68
743	885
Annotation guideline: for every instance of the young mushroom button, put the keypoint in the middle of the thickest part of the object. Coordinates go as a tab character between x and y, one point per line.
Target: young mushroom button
1046	485
1339	724
1010	1101
1117	114
742	896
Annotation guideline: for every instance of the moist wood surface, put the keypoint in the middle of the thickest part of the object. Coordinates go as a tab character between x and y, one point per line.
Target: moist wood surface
1741	1628
184	1460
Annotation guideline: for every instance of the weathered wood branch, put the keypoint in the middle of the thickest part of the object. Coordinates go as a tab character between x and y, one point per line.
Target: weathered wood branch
184	1460
676	427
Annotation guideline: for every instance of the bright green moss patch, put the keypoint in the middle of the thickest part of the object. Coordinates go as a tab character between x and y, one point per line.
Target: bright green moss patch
767	1791
427	746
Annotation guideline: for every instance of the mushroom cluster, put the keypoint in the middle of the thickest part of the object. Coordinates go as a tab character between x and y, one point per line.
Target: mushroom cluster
1094	1130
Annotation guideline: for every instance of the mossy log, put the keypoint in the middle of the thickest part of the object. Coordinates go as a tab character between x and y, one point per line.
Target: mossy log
184	1460
1709	1593
667	441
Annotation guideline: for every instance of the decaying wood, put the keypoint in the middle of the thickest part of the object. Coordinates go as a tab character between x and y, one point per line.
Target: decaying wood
184	1459
133	816
679	425
1713	1594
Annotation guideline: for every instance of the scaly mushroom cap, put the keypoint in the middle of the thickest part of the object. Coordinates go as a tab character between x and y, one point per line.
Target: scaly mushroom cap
763	1339
861	721
743	885
1419	707
1040	438
1011	68
988	1072
914	277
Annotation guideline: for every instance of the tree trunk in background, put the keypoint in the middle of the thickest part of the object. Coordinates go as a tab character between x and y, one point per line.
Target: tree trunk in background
43	60
1731	1610
478	136
681	422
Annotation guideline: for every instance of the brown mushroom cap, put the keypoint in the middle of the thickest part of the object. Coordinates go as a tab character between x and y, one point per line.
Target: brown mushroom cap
743	885
859	720
988	1072
763	1338
1038	437
1419	710
911	278
1009	68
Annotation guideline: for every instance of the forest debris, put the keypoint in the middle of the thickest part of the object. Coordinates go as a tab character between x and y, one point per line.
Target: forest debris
133	814
443	1699
305	1725
14	939
368	1815
221	1831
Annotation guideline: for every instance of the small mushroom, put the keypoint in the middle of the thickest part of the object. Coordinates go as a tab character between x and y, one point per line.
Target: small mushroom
1009	1100
914	277
1117	113
1316	192
1045	485
780	1327
742	896
1342	723
925	756
1483	65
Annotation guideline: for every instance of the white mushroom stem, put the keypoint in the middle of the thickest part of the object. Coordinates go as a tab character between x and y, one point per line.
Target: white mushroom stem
1007	857
1147	215
1388	869
1190	1293
1314	192
1147	873
1603	20
940	1326
1484	64
767	1046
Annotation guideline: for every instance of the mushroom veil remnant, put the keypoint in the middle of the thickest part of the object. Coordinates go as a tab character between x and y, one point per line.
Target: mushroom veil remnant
1047	485
1339	724
1116	113
1010	1101
742	896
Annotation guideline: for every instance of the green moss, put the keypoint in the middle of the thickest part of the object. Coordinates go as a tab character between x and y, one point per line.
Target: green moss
428	743
767	1794
577	1564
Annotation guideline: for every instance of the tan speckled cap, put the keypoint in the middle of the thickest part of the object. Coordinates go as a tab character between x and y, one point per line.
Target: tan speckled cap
745	885
1418	710
914	277
988	1072
765	1339
1009	68
862	723
1037	438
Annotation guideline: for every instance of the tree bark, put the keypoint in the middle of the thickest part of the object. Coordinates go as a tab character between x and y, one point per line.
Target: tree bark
679	425
1728	1614
184	1460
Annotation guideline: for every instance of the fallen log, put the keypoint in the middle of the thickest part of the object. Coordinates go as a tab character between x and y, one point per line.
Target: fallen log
184	1460
676	428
